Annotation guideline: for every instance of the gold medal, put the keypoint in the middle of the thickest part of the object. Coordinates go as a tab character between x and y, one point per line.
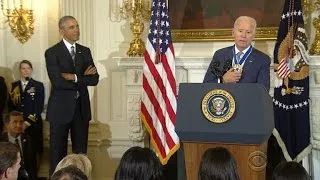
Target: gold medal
237	67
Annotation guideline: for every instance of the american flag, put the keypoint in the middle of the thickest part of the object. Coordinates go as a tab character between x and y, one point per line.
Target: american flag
158	101
283	69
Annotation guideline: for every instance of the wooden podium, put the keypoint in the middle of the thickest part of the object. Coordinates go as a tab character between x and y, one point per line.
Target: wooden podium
245	135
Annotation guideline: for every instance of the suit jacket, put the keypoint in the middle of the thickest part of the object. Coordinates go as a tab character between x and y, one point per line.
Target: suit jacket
62	101
28	158
256	68
30	102
3	99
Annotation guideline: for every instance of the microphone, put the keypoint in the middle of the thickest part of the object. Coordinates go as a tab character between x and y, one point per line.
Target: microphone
227	66
215	68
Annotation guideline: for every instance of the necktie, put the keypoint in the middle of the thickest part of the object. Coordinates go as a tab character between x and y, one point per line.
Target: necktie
22	170
73	55
239	54
18	145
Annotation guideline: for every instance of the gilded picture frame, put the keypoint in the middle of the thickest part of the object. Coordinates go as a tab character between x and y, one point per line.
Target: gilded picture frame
212	20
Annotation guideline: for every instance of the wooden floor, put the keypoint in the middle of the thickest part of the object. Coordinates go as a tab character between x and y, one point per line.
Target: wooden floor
110	170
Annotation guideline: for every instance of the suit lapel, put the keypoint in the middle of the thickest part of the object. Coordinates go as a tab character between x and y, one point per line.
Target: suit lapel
65	51
24	144
78	55
248	63
79	58
228	56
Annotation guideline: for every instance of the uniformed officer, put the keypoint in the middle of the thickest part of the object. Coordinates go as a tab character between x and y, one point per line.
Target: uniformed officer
27	96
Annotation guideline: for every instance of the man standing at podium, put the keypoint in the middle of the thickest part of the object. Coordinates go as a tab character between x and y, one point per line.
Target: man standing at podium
240	63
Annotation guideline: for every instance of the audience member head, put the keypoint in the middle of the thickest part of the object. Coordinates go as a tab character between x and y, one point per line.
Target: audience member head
290	171
9	161
13	122
244	31
69	173
218	163
26	69
80	161
139	164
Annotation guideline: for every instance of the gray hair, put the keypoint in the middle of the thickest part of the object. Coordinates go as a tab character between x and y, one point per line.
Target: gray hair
64	19
249	19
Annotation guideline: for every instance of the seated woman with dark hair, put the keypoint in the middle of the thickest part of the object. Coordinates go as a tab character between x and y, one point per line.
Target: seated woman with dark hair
290	171
139	164
218	163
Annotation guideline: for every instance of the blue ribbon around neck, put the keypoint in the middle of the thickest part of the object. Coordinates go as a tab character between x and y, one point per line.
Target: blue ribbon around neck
244	57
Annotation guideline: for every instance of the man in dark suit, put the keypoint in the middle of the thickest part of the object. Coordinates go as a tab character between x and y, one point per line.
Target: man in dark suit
70	69
240	63
27	96
3	100
14	127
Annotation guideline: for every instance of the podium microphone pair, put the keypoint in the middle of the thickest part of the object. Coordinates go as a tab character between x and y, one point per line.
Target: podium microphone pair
216	70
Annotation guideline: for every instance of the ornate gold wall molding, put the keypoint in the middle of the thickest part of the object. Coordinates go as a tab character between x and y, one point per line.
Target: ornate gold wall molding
20	20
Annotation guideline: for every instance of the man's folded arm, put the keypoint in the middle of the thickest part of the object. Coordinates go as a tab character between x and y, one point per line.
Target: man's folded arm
88	80
55	75
90	76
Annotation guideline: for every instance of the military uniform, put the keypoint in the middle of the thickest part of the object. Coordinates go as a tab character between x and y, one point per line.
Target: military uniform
30	102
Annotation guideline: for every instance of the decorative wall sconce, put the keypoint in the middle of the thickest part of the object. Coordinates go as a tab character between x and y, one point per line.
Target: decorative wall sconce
311	6
19	19
139	10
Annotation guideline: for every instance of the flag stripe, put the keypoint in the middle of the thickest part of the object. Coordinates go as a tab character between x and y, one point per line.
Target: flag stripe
283	69
165	91
168	121
154	132
158	110
158	106
170	69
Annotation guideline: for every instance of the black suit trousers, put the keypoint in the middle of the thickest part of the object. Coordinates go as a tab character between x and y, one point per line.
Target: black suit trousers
78	129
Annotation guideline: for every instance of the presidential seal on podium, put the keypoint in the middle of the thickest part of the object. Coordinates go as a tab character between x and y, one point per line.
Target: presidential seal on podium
218	106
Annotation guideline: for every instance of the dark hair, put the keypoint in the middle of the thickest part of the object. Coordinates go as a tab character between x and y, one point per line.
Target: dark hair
7	117
290	171
218	163
69	173
25	62
63	20
139	164
8	156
